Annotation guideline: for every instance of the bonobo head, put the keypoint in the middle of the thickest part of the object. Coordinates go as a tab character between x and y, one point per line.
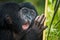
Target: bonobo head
27	15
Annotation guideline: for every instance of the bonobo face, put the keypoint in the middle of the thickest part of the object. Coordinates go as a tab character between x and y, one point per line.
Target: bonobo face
27	15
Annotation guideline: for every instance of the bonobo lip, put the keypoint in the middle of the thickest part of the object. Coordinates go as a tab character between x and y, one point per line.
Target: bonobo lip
25	26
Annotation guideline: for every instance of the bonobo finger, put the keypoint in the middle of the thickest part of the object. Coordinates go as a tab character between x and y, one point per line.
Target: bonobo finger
37	18
40	26
42	29
41	18
36	22
42	22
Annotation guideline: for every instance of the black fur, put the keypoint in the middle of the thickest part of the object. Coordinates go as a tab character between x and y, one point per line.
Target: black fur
9	21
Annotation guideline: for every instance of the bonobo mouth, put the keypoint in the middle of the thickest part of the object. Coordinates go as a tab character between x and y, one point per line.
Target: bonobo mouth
25	26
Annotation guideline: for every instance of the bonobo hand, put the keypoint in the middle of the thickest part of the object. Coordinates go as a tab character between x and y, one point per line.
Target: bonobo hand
38	25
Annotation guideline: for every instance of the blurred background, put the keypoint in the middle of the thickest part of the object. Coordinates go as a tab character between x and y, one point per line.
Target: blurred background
53	20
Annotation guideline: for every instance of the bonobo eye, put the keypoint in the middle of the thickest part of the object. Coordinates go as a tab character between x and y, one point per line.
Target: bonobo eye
25	11
33	13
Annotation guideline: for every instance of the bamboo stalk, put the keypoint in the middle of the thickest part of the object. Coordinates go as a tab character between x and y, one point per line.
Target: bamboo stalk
46	9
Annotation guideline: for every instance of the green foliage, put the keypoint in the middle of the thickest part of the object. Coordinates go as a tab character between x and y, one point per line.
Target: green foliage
54	31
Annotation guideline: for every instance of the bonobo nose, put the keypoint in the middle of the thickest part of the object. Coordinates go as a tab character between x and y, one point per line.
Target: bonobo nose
26	20
29	17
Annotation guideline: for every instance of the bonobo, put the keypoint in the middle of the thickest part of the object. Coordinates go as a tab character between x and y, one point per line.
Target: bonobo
20	22
32	24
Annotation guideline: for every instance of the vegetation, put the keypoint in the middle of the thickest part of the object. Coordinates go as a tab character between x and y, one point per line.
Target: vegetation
53	20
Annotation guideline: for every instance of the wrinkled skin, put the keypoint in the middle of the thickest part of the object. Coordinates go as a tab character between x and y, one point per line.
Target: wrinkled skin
39	24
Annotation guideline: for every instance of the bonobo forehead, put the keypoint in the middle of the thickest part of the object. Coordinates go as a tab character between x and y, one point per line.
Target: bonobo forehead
28	5
27	11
